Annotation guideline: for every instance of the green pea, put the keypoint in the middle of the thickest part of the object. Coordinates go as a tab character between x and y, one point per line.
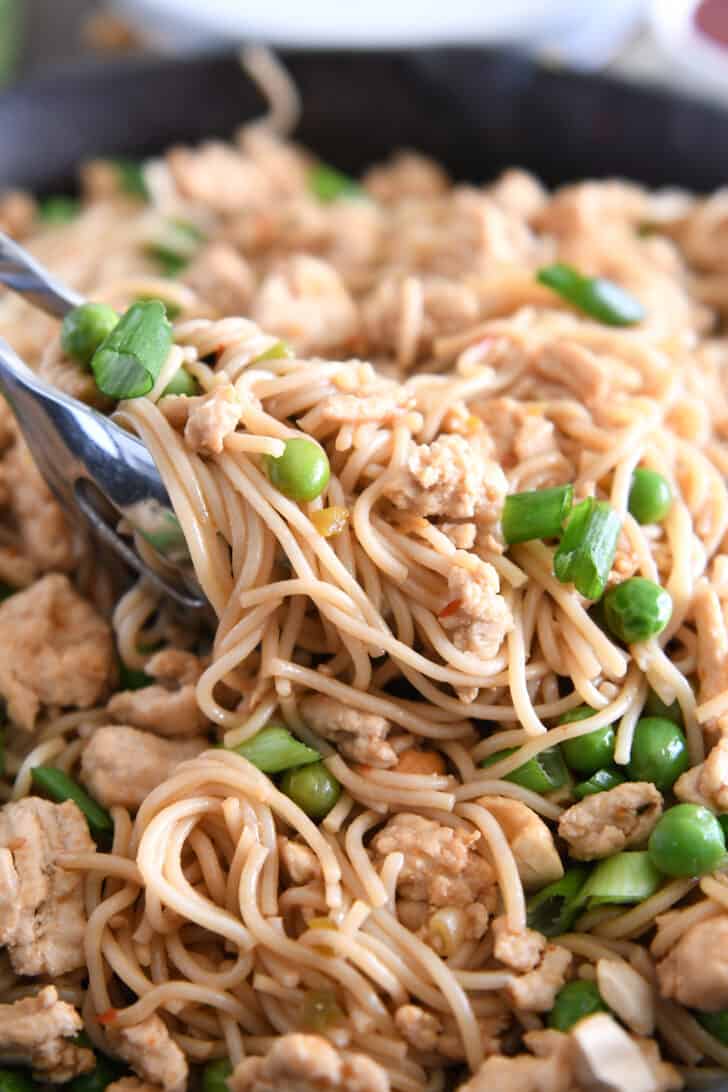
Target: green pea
587	754
655	707
650	496
302	471
687	841
659	752
637	609
600	781
84	328
573	1002
182	383
543	773
313	788
715	1023
215	1075
17	1080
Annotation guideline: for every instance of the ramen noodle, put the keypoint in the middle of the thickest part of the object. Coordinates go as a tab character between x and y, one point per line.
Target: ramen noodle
432	890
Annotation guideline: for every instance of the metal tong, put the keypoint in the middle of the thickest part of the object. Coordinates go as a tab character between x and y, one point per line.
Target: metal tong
99	472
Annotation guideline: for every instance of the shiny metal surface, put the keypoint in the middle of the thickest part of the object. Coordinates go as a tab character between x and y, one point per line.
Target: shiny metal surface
99	472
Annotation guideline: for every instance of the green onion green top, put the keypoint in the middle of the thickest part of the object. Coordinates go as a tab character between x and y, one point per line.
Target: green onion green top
60	787
128	361
58	210
105	1072
215	1075
313	788
540	513
553	910
585	554
177	244
130	173
543	773
17	1080
279	350
273	749
687	841
328	184
302	472
650	496
637	609
715	1023
84	328
573	1002
595	296
133	678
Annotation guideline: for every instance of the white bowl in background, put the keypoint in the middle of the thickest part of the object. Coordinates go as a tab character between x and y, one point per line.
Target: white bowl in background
184	24
695	61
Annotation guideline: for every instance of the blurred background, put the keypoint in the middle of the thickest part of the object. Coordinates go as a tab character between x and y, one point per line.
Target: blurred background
680	43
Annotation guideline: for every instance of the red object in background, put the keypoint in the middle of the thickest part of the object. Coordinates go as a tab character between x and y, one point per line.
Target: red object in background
711	17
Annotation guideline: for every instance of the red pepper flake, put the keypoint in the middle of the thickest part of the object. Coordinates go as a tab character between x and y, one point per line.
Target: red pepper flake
108	1017
452	608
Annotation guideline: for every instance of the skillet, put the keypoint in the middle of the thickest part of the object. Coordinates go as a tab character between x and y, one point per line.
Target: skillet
477	111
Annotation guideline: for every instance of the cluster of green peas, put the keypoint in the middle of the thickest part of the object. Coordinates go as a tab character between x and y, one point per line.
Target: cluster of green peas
688	840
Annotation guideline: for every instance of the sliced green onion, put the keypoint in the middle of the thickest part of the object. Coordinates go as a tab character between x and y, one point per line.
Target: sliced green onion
215	1075
17	1080
104	1073
59	786
328	184
132	678
182	383
178	243
596	296
624	878
543	773
573	1002
130	173
586	552
278	351
540	513
173	309
601	781
273	749
320	1010
164	532
59	210
553	910
128	361
715	1023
